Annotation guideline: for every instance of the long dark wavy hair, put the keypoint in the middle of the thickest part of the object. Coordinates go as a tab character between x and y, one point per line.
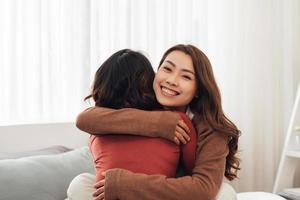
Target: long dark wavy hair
207	104
125	80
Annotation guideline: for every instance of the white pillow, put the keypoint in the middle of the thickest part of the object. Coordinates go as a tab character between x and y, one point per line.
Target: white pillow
45	177
258	196
226	192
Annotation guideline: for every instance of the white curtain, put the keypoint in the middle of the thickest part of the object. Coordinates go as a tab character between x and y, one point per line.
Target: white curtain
44	59
50	50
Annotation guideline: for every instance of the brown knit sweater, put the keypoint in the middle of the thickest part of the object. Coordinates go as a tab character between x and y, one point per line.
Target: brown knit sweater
121	184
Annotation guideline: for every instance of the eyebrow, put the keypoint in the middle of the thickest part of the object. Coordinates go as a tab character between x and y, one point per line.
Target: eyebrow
185	70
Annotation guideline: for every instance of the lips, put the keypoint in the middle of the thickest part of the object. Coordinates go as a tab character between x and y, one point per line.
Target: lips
168	92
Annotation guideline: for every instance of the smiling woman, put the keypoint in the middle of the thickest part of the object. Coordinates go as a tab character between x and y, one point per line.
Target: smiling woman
175	82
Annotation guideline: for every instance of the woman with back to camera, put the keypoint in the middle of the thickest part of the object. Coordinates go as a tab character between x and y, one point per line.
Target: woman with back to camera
184	82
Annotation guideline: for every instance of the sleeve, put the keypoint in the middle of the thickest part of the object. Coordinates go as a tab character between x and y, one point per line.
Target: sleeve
100	120
204	183
188	150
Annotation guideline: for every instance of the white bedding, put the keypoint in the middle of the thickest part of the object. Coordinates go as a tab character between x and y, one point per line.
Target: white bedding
258	196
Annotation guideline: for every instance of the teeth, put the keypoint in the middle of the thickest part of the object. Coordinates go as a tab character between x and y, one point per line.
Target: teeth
168	91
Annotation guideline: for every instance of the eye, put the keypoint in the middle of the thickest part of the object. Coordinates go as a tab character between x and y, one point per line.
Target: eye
166	69
186	77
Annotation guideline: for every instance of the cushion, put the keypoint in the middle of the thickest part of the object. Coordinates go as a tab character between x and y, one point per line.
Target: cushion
46	151
81	187
226	192
44	177
258	196
141	154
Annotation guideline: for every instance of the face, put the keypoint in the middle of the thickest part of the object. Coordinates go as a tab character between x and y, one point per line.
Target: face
175	82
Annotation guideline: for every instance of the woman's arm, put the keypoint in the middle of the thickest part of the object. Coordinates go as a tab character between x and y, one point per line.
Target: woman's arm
202	185
100	120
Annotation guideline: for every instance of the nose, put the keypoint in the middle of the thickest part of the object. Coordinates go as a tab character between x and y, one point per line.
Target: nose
172	80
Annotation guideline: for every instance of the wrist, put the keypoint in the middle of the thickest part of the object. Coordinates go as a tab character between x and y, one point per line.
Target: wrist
112	178
168	121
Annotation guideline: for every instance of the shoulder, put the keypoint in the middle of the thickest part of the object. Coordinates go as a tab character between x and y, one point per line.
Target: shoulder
210	138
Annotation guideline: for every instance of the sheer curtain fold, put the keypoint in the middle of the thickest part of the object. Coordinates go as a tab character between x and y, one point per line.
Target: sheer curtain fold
50	50
45	49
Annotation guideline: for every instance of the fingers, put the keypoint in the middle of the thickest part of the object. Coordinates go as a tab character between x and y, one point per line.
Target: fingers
179	136
183	125
99	184
181	133
99	194
98	191
176	140
100	197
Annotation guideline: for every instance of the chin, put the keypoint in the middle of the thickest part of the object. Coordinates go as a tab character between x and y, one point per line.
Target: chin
165	103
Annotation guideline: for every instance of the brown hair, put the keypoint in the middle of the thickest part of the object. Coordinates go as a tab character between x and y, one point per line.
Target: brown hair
207	104
125	80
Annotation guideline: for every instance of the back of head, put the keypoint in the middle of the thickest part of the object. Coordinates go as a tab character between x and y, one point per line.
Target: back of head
124	80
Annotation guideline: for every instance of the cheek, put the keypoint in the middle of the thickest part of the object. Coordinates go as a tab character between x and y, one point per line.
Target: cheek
156	86
158	79
191	91
155	83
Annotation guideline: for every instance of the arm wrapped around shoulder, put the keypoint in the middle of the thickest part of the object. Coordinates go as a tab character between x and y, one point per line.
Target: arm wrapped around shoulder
100	120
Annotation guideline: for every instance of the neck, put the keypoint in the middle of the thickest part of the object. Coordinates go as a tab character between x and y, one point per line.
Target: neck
180	109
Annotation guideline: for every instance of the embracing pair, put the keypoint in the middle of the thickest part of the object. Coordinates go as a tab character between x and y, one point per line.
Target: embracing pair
157	136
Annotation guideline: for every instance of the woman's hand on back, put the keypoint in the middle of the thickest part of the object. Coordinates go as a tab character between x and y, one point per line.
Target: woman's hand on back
181	133
99	186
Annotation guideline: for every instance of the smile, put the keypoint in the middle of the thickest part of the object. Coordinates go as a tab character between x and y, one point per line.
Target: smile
168	91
